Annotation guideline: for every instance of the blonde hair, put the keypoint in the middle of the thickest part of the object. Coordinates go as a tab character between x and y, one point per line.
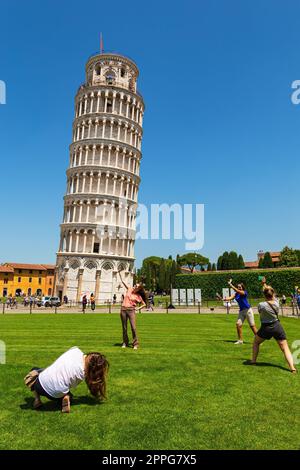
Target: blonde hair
268	292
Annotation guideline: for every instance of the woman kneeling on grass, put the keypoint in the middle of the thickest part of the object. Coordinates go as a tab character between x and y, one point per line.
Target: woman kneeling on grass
67	372
271	326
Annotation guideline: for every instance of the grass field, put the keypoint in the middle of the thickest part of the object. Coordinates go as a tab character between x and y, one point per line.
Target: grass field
187	387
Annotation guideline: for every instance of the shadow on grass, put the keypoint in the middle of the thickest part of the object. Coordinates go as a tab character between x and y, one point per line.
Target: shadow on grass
247	362
232	341
49	405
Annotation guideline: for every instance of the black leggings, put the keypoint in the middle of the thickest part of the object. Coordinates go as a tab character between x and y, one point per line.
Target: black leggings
37	387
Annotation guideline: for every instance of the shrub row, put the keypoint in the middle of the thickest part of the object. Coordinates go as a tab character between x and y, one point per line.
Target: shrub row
282	280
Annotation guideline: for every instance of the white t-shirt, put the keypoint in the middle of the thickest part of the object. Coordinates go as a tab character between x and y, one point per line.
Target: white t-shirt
66	372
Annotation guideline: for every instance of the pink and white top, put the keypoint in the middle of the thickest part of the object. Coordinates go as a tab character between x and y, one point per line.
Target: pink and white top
131	299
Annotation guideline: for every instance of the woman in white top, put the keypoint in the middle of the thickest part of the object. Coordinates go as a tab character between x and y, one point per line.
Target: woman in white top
67	372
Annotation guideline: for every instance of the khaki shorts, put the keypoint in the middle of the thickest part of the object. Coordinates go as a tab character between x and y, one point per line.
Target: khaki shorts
246	313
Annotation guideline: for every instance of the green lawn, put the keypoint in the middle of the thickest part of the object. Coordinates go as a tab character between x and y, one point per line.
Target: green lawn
185	388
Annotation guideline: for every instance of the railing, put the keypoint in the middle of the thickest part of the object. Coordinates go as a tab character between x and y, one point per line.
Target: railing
114	53
104	83
108	306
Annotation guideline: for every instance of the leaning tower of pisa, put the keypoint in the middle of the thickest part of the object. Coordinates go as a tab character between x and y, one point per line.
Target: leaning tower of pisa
98	229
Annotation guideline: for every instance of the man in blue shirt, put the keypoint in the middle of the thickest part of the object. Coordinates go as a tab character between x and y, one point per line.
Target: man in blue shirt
241	297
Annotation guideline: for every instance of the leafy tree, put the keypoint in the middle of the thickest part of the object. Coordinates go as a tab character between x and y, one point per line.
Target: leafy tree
267	261
209	266
241	263
298	256
288	257
162	275
233	260
174	271
192	260
230	261
214	268
225	261
220	263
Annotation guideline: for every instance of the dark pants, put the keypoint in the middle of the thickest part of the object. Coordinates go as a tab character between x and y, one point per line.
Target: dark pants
129	313
37	387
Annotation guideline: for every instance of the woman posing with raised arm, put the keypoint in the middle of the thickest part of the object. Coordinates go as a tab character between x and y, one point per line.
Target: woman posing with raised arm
133	296
271	326
241	296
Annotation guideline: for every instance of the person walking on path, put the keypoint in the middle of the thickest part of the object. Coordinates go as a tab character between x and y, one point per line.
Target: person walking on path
84	303
134	295
92	301
151	301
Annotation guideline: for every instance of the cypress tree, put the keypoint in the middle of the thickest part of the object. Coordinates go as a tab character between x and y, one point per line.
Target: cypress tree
225	261
220	263
267	261
241	263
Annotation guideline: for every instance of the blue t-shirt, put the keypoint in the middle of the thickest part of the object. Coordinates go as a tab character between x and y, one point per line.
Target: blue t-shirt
242	300
298	299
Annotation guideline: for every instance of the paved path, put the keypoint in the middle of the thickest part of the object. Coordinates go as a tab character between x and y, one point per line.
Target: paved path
287	311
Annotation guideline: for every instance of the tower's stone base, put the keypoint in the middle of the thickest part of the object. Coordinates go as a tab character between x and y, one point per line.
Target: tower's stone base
80	275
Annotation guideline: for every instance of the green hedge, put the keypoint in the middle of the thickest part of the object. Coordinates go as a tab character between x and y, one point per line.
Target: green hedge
282	280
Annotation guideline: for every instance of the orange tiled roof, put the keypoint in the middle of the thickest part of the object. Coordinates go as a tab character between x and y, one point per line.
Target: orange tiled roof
275	255
6	269
38	267
251	264
49	266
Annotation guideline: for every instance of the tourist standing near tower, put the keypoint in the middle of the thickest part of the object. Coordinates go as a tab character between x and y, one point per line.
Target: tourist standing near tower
98	229
133	296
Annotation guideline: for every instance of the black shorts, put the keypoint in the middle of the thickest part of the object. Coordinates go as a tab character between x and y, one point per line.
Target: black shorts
37	387
272	330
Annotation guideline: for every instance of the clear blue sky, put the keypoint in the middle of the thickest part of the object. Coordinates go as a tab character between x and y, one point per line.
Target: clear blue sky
219	128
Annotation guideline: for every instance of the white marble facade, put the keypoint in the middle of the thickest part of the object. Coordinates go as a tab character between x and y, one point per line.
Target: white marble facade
98	228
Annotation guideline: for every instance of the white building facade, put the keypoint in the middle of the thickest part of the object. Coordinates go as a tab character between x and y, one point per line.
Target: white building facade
98	229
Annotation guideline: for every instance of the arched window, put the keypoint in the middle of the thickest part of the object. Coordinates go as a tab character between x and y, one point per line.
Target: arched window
109	106
123	72
110	77
98	70
132	84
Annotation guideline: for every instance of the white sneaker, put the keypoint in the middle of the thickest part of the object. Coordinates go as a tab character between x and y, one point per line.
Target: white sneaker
239	341
123	345
135	348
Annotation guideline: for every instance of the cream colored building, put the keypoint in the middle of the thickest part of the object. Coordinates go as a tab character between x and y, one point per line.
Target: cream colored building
98	229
